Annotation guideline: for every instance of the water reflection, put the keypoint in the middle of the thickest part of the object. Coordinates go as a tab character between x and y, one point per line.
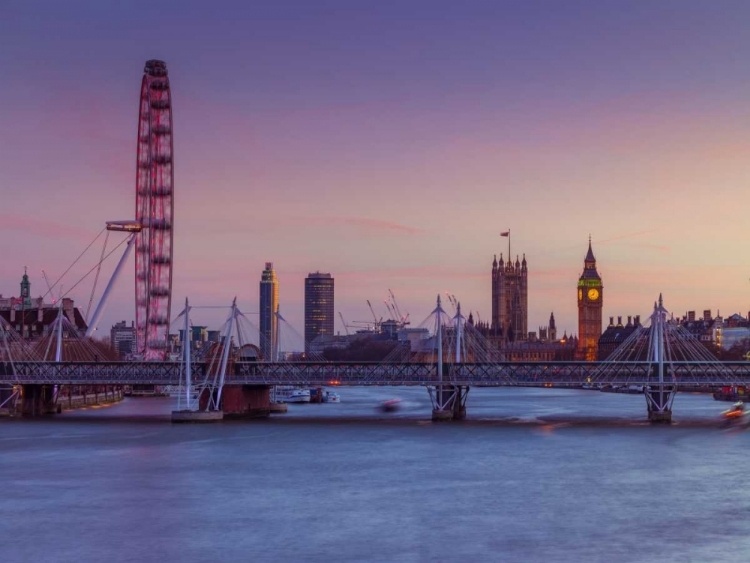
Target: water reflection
532	475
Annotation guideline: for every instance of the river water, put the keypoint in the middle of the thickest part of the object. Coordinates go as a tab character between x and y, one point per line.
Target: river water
532	475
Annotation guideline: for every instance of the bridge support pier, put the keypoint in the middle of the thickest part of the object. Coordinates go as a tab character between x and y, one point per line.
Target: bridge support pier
448	402
38	400
242	401
659	400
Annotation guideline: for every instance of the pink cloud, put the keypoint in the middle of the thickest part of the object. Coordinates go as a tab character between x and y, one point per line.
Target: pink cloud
50	229
365	225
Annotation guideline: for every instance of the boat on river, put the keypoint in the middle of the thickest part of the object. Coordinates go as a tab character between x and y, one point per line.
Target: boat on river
290	394
737	415
731	393
391	405
331	397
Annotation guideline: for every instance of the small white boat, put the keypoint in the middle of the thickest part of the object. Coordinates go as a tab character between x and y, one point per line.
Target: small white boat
299	396
289	394
331	397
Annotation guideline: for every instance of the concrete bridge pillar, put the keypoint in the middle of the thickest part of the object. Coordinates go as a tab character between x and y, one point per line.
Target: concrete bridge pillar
449	402
38	400
242	401
459	403
659	402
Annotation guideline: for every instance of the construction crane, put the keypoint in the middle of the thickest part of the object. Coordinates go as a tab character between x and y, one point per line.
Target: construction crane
343	322
452	300
403	319
374	316
391	312
449	297
395	305
49	288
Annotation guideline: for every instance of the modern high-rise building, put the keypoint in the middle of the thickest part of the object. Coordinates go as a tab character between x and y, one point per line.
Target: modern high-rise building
269	304
510	299
318	306
122	338
590	304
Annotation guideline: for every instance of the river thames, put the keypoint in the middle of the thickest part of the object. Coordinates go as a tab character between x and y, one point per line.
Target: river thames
532	475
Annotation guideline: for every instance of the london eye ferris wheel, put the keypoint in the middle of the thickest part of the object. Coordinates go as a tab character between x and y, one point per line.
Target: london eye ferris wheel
154	211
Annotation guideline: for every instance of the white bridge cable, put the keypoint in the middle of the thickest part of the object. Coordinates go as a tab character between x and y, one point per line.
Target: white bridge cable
75	346
679	345
49	290
87	274
472	348
12	398
14	349
424	352
96	278
212	374
290	340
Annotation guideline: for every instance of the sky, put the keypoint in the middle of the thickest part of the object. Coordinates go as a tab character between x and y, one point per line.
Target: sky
388	143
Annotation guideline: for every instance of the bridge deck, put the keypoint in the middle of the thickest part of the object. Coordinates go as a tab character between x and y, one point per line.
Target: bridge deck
559	374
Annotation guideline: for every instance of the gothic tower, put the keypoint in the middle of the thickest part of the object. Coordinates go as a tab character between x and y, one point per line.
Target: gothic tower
510	297
590	303
552	328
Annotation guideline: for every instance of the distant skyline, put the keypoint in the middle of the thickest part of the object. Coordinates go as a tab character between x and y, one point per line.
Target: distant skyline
389	144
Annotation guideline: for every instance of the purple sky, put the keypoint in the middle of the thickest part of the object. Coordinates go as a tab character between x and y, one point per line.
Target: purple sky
390	143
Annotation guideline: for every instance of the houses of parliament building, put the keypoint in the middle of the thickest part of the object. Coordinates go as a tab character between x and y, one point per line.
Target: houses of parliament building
510	307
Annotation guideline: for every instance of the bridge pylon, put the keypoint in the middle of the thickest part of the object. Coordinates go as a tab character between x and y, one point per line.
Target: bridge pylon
660	394
448	399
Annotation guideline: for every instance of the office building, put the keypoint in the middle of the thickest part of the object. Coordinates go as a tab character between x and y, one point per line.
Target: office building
318	307
122	338
269	304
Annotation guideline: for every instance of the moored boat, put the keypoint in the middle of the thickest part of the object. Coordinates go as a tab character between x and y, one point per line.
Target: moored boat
331	397
290	394
731	393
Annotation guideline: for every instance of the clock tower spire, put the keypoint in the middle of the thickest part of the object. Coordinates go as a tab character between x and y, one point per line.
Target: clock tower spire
590	304
26	289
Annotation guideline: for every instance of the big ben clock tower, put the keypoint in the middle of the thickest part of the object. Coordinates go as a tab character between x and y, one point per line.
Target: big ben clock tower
590	302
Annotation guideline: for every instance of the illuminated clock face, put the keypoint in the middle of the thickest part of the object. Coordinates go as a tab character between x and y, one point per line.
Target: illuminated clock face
580	294
593	294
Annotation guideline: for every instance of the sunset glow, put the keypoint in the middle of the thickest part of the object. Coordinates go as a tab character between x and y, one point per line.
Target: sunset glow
390	146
